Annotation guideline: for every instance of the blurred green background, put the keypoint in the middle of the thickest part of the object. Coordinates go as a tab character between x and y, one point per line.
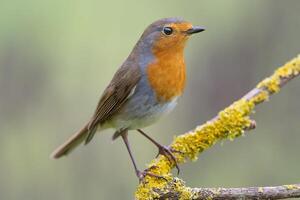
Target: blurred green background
57	56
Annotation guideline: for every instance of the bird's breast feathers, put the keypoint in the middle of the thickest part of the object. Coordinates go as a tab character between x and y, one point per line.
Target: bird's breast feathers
167	76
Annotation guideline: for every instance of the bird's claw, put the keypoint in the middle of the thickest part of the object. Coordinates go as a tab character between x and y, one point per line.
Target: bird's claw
141	175
168	153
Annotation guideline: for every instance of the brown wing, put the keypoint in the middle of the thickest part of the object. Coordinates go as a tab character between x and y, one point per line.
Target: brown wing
114	96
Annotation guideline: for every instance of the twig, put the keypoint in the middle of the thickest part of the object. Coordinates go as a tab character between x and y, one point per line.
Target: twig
228	124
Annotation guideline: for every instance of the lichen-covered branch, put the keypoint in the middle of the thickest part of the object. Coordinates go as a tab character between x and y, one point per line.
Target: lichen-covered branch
275	192
228	124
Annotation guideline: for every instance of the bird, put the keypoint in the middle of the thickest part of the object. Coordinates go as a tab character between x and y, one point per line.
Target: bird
144	88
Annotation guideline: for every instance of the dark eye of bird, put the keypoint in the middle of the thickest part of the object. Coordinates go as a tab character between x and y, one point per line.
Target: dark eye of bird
167	30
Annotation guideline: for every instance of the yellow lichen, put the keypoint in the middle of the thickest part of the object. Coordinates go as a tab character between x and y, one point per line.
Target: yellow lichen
229	124
260	97
291	187
272	83
155	191
291	68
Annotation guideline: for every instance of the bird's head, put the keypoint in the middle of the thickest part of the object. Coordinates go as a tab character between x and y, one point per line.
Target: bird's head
168	34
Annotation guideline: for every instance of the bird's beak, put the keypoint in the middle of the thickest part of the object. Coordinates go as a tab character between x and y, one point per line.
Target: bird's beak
195	29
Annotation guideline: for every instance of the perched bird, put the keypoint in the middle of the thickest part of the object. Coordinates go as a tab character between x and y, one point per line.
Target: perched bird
146	86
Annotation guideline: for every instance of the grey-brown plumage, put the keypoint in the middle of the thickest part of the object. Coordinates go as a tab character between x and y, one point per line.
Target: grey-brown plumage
113	97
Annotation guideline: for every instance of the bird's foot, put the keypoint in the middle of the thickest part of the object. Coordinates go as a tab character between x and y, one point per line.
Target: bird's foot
168	153
164	150
141	175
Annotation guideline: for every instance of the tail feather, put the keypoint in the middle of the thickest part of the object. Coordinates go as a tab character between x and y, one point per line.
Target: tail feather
90	134
71	143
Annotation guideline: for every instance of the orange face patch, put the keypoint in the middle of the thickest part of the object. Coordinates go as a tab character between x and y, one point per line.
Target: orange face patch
174	42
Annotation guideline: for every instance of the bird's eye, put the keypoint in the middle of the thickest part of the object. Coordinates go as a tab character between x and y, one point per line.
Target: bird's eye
167	30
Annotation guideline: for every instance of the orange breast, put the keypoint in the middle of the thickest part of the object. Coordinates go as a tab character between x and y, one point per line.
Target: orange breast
167	75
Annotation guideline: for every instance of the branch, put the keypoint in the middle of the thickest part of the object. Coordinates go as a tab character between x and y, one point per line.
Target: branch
276	192
228	124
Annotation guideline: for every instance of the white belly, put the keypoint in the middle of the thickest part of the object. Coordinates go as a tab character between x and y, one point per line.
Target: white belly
141	114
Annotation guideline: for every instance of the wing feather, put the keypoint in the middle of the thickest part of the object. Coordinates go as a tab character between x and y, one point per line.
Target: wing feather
114	96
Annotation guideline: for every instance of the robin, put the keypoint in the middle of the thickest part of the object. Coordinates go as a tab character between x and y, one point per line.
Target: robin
145	87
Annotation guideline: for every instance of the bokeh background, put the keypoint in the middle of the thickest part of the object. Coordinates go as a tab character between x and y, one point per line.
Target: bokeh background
56	57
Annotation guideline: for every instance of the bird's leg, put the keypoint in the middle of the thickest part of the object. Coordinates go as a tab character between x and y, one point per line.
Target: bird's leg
140	174
163	150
